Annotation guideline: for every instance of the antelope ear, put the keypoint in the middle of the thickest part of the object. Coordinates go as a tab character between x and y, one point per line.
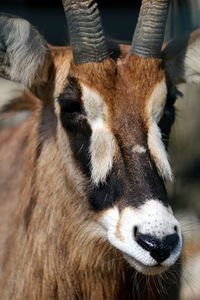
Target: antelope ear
181	59
24	54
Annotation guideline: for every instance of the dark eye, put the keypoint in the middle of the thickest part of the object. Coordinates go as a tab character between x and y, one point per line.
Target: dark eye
169	114
72	115
69	106
166	122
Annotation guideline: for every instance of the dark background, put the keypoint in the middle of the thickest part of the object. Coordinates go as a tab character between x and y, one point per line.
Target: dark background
118	18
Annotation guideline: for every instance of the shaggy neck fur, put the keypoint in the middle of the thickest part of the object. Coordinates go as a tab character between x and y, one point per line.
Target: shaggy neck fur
56	249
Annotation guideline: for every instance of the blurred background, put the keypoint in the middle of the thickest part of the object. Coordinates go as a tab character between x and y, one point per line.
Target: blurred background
119	20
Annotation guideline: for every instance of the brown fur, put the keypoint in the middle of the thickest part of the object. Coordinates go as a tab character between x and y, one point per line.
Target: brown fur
54	249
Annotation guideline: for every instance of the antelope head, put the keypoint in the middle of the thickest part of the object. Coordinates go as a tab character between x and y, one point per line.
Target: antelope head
115	112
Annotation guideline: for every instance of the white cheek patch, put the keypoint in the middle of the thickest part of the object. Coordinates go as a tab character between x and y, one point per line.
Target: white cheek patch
102	145
110	218
151	218
154	110
158	152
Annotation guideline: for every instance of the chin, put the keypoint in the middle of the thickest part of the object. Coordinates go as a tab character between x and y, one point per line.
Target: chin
145	269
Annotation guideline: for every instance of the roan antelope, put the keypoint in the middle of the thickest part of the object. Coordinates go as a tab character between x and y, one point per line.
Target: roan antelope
83	201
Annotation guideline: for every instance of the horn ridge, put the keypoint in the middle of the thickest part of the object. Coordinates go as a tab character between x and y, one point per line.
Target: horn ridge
149	34
86	33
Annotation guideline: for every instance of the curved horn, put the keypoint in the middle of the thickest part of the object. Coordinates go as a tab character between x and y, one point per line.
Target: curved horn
149	34
86	34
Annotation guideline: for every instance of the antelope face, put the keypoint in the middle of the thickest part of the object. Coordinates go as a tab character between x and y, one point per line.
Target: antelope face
116	139
113	111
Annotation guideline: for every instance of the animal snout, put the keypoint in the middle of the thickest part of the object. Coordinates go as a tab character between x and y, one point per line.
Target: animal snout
159	249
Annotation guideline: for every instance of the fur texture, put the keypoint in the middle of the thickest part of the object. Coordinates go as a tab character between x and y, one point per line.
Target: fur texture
52	243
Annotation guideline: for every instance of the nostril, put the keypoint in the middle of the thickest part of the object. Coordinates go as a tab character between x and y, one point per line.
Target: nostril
146	241
176	228
171	241
160	250
160	254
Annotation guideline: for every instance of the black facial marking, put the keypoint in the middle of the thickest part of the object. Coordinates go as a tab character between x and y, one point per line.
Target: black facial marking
72	91
72	113
70	99
169	114
74	120
106	194
141	178
79	136
69	106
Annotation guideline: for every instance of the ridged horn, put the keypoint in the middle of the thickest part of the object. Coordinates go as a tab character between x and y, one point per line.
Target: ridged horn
86	33
149	34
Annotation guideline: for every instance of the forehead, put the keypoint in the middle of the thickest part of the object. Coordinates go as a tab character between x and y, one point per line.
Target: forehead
126	85
129	77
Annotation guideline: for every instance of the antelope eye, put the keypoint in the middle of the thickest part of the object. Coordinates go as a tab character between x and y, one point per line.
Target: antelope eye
169	114
70	106
72	114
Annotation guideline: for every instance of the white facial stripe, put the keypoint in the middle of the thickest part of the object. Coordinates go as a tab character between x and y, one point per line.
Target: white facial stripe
101	151
155	109
158	152
151	218
138	149
157	101
93	103
102	145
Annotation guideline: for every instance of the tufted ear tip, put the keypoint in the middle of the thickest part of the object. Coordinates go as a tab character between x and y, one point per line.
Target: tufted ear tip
24	55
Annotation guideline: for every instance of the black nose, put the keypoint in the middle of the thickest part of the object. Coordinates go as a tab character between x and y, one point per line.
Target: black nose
160	250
